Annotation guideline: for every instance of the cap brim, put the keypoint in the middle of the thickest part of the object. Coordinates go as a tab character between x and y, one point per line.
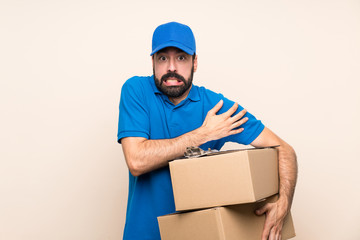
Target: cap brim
173	44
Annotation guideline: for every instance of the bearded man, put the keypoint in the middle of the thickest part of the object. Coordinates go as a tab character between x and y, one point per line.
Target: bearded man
162	114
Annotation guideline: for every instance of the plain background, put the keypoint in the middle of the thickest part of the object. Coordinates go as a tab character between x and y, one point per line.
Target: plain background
293	64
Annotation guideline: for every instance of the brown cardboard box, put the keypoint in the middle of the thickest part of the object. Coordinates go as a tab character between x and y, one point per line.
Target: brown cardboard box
220	223
228	178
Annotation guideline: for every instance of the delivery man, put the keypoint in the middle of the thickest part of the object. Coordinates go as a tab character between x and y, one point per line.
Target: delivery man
162	114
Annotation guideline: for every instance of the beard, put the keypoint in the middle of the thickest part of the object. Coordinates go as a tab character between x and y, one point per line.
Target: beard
174	91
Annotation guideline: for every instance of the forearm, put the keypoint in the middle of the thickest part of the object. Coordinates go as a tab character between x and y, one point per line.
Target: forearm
144	155
287	173
276	212
287	164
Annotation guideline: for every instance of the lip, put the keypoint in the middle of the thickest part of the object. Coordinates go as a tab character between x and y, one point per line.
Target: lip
173	82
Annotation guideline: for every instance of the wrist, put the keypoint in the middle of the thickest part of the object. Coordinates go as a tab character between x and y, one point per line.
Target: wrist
199	136
284	203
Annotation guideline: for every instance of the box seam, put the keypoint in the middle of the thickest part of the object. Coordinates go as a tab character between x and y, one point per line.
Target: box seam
172	179
249	167
219	220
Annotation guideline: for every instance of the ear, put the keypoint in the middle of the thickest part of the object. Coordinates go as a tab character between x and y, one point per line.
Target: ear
152	61
195	63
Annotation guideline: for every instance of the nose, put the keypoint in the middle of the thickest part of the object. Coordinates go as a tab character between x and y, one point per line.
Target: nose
172	65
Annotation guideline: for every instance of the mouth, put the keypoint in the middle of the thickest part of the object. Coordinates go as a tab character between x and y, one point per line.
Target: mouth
173	82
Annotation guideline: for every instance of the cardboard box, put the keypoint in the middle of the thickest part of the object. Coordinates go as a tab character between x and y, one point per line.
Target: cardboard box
226	178
220	223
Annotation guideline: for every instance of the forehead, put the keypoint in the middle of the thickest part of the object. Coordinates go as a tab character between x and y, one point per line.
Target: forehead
169	50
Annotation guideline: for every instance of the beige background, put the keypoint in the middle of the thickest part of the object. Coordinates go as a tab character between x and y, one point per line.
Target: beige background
294	64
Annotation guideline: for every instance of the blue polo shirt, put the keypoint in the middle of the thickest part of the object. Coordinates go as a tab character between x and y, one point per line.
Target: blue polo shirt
147	112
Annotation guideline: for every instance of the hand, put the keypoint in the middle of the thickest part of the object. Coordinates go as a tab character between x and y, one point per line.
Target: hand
223	125
274	220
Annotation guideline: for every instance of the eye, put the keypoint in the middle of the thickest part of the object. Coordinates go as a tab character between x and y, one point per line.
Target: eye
182	58
162	58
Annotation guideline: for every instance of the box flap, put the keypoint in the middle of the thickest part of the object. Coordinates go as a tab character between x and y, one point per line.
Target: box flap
199	225
264	173
199	182
241	222
209	153
220	223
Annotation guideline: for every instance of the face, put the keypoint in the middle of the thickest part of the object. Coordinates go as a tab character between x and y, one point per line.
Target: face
173	72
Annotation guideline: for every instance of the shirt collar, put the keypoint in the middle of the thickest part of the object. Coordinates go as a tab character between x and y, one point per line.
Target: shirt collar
193	94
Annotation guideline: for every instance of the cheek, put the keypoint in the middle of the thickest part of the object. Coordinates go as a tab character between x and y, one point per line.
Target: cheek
158	72
186	71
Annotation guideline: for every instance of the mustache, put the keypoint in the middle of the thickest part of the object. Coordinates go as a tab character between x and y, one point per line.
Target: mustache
172	75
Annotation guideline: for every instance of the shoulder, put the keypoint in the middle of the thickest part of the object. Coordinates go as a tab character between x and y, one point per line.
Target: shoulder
209	95
137	84
137	81
211	98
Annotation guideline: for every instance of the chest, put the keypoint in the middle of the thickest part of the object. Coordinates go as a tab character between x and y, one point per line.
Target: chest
170	121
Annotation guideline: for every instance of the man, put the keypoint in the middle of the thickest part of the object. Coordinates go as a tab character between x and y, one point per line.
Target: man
163	114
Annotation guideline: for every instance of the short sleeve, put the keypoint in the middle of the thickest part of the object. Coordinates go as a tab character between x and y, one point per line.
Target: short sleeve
133	111
252	128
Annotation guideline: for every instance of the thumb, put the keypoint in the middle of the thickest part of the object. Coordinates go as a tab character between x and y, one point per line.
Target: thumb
216	108
262	210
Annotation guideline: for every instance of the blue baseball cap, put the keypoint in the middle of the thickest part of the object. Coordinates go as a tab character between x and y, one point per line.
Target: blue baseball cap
173	34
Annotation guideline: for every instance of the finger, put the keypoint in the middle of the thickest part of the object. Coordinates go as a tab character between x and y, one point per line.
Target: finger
216	108
231	111
239	123
278	232
268	223
262	210
266	232
277	235
239	115
236	131
272	235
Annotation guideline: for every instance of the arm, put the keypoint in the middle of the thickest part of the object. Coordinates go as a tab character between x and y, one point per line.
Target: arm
276	212
143	155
